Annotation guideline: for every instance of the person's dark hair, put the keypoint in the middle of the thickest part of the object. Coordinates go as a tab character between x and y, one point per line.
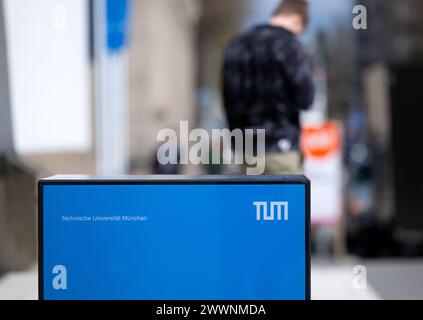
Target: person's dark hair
299	7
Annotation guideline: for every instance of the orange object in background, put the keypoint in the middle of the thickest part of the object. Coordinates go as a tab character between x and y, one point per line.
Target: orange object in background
322	149
321	141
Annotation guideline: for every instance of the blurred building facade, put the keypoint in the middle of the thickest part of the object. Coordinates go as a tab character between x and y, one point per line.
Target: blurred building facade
220	21
162	77
389	63
162	65
17	182
394	32
163	72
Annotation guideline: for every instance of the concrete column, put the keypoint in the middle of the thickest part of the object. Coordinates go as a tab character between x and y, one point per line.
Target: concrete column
6	135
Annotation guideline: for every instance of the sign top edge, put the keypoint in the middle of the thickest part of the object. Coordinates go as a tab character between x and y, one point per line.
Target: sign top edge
176	178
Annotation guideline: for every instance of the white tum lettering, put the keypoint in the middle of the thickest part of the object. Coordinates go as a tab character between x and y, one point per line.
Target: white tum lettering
276	210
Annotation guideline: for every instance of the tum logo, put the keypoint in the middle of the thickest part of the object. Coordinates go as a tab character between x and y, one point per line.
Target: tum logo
271	211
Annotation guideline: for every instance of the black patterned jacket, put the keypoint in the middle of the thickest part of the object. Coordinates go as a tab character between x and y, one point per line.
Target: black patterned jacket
267	81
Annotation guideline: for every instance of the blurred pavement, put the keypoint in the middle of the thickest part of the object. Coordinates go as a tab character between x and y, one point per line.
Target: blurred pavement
387	279
19	285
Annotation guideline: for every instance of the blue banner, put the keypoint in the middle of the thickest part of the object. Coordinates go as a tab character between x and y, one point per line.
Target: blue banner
118	16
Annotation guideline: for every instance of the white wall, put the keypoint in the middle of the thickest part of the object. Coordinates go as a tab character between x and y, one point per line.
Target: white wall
49	75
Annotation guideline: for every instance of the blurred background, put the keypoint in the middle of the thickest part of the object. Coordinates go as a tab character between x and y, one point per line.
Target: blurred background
86	85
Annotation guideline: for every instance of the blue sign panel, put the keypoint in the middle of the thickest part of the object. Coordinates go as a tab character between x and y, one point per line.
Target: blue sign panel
117	26
216	239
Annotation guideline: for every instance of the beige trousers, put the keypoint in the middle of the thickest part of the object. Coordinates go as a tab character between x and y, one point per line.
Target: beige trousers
284	163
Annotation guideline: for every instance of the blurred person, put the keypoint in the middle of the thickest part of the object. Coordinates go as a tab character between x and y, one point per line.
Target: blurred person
267	81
